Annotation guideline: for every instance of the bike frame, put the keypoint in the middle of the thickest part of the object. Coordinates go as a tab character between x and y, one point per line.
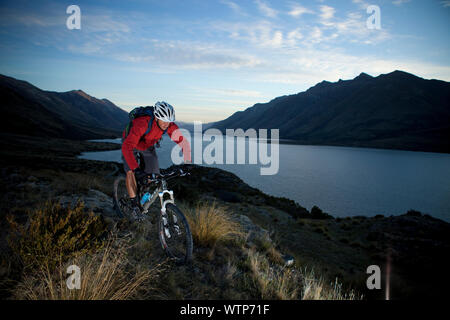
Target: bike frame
160	191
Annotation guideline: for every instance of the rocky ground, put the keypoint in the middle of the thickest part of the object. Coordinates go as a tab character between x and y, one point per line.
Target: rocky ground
415	245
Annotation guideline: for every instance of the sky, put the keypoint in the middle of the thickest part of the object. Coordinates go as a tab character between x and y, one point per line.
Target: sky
211	58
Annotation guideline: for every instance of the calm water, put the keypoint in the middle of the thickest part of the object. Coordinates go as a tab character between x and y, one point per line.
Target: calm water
343	181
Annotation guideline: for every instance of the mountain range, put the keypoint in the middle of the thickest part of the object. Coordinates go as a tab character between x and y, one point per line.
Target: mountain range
26	109
397	110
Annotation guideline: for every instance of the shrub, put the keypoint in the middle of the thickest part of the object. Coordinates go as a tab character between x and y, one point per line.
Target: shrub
55	234
103	276
291	284
210	223
316	289
76	183
317	213
270	283
319	230
413	213
355	244
275	256
373	236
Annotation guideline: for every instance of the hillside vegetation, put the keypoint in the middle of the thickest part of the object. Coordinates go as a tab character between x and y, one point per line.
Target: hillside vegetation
56	210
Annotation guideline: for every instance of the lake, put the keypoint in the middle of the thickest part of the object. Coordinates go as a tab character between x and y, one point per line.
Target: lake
342	181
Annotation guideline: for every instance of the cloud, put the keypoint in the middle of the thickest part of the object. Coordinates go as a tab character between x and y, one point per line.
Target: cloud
400	2
294	36
103	23
261	34
316	35
234	6
445	3
190	55
310	66
327	12
99	32
353	28
266	9
297	10
361	4
14	17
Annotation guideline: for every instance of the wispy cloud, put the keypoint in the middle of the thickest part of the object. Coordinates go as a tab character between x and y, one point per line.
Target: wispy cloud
190	55
445	3
298	10
308	67
234	6
400	2
259	33
11	17
294	36
327	12
351	28
361	4
266	9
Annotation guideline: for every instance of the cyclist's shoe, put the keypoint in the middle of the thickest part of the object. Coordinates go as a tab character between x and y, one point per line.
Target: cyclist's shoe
136	214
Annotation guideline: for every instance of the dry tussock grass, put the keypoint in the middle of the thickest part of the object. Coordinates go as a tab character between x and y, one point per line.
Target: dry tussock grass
103	276
210	223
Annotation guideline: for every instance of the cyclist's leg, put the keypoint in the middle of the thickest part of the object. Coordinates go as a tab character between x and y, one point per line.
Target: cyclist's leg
151	161
130	178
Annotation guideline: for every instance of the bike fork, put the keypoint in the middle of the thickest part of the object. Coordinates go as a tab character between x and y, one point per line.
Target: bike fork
164	213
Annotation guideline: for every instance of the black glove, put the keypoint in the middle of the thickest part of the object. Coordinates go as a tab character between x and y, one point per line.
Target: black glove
139	174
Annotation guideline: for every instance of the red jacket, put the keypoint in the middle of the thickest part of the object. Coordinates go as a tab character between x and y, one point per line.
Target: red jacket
137	139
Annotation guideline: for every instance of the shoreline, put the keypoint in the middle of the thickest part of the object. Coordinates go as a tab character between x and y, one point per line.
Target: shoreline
341	212
340	145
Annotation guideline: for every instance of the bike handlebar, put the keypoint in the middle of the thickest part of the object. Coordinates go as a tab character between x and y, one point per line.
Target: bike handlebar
152	178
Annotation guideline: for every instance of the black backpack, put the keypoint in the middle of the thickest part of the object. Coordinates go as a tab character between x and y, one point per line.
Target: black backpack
141	112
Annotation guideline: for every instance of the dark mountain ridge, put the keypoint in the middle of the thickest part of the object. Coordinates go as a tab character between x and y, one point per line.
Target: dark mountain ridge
397	110
26	109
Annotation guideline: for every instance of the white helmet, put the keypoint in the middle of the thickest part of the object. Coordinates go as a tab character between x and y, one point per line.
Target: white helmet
164	111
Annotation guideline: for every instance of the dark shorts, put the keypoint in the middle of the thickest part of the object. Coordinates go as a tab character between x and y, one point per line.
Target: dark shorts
147	159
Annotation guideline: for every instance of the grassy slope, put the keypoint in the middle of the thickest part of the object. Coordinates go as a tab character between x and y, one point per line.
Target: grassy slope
36	169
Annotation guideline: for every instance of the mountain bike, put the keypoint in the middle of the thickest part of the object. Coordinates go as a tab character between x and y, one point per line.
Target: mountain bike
173	228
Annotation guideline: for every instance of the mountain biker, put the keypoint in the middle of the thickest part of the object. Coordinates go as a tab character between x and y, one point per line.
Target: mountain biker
137	142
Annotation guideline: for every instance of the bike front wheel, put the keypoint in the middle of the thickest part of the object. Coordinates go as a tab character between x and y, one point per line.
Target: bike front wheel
175	234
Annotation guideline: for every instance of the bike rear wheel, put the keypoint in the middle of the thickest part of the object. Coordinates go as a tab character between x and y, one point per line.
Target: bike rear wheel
175	234
121	198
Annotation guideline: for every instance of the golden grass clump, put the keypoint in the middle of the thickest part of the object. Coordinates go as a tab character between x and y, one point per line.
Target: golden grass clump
316	289
103	276
54	234
210	223
270	283
290	283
